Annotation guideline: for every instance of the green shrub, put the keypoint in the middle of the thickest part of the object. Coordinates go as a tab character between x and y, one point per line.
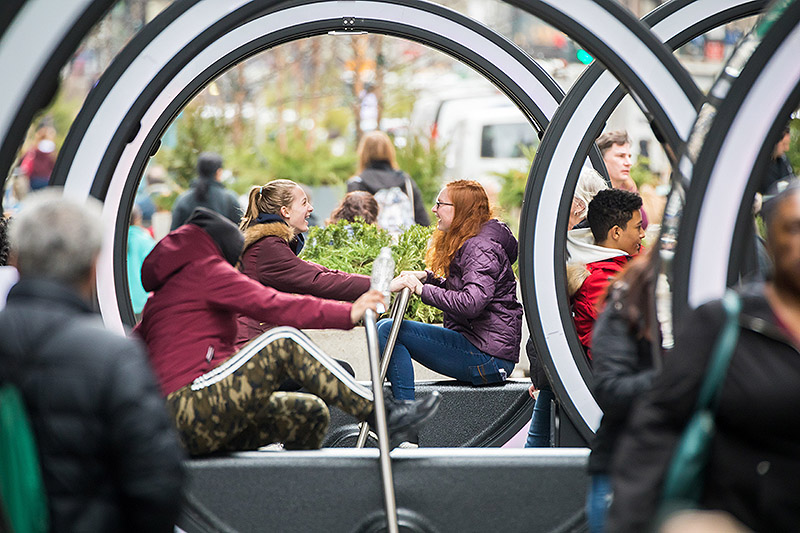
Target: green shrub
641	173
313	167
353	246
512	189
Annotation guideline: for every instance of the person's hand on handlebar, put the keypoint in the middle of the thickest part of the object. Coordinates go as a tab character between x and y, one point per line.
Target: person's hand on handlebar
421	275
403	281
371	299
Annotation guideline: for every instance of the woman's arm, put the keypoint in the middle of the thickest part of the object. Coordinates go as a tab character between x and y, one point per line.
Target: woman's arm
231	290
278	267
480	267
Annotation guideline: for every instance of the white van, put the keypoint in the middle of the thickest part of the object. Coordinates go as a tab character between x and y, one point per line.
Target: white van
483	134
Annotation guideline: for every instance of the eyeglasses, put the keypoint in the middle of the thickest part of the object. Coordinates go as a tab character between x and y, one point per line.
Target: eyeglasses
440	204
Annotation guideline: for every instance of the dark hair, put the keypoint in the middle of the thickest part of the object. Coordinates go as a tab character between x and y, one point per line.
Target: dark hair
356	204
207	165
609	208
610	138
3	240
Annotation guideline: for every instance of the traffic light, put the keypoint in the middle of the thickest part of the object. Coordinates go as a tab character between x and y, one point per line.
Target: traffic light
583	56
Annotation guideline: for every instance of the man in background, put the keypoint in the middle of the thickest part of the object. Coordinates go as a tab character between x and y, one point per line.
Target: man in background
615	147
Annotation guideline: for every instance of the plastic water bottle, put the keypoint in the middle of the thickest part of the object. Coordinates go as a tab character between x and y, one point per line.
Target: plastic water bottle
382	274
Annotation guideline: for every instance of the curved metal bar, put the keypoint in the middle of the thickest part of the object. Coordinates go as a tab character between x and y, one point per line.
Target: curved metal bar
283	332
399	307
34	73
748	106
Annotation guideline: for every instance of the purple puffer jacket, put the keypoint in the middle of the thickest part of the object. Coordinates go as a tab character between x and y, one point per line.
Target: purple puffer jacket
479	296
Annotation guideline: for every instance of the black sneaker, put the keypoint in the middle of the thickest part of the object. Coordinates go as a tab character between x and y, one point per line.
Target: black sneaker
404	418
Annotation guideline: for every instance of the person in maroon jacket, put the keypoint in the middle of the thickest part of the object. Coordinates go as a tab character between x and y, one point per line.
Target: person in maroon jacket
598	254
222	399
276	218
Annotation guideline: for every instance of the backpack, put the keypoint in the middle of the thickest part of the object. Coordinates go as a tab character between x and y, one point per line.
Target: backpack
22	494
396	207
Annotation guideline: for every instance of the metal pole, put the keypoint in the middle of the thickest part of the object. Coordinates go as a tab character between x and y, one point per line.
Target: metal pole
398	310
379	411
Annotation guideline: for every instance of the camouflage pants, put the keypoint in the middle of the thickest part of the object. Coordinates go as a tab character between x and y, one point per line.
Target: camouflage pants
236	407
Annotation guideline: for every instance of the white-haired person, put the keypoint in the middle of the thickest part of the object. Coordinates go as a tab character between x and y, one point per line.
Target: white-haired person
110	458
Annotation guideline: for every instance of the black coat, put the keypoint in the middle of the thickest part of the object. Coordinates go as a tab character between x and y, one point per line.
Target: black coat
380	175
754	471
622	366
110	457
218	199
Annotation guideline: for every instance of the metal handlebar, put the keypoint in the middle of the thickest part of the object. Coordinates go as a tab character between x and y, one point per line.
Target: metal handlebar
399	307
379	411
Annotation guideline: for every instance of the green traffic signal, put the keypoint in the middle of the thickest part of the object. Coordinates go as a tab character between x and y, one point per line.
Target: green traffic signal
583	56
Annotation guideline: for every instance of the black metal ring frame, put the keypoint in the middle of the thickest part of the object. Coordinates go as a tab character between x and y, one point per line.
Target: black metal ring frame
577	122
753	105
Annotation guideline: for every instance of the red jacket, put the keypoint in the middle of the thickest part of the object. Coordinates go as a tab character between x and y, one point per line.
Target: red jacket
269	259
189	323
585	300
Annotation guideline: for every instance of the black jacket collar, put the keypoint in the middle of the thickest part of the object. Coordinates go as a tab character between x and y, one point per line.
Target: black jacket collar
43	289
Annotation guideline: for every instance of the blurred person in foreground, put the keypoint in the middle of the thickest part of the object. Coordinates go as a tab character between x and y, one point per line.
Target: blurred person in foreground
754	466
622	366
223	399
207	191
110	458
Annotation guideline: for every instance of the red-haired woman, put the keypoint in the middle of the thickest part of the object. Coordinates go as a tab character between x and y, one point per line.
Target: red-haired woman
469	277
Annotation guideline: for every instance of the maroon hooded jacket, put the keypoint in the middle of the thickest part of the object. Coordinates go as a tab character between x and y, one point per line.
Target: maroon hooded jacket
189	323
269	259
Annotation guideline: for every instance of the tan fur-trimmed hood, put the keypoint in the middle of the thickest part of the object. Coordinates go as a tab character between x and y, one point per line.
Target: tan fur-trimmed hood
257	232
576	275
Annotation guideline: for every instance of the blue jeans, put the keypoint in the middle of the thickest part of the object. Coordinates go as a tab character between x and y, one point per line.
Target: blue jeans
442	350
597	502
539	430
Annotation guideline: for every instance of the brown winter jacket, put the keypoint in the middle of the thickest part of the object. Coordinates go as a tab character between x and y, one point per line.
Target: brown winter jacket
270	259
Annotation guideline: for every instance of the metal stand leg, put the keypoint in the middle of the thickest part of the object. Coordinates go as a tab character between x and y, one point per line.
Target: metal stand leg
398	310
380	421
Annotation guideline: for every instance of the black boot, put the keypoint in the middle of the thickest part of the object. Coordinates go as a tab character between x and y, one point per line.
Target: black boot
404	418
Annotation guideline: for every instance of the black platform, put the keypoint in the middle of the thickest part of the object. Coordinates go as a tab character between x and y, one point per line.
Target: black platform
468	416
437	490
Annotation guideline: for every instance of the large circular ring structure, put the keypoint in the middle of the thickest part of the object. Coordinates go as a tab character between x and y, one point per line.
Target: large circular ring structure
756	102
33	74
554	174
183	46
192	42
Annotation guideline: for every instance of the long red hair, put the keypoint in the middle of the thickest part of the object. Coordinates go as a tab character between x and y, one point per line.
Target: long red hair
471	212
